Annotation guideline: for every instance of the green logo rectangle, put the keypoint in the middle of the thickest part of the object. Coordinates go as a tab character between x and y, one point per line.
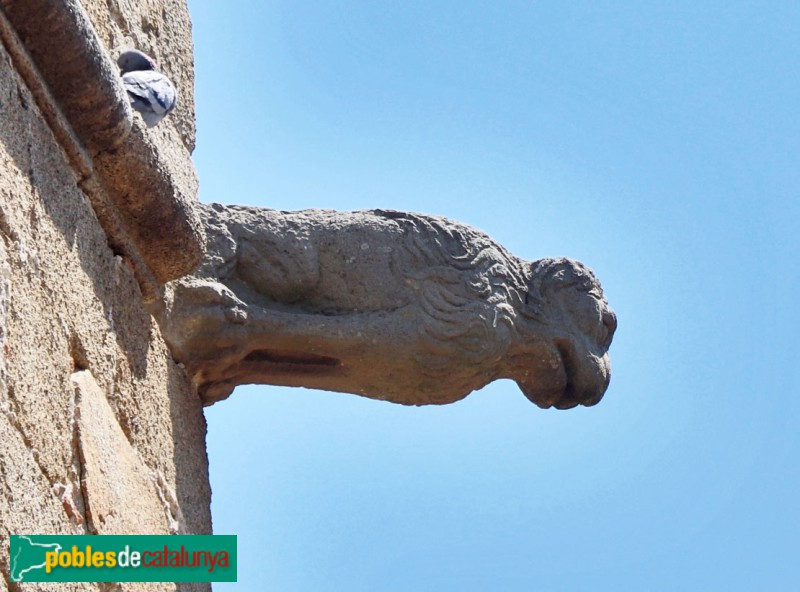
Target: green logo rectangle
122	558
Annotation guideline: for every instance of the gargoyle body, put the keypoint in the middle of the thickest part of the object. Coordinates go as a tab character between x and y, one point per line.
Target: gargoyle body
396	306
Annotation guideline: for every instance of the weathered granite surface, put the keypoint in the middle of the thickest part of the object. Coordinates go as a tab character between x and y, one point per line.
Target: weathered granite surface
141	183
100	430
403	307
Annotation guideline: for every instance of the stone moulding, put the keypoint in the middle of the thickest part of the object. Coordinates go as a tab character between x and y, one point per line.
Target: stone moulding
396	306
146	210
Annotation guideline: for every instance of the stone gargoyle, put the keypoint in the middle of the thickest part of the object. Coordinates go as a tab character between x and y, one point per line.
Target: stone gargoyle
395	306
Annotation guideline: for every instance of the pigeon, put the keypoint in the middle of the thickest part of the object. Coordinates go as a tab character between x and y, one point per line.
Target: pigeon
150	92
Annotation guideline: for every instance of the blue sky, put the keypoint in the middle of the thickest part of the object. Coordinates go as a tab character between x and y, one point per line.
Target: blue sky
659	145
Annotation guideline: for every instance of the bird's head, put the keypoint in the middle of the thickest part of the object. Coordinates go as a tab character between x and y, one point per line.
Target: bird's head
134	60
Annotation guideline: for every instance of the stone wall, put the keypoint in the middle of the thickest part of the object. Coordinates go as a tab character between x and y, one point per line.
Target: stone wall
100	430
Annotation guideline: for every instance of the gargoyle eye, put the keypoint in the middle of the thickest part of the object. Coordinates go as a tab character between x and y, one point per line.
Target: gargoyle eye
610	323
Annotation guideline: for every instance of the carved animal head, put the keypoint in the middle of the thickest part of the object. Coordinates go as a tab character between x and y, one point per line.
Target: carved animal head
566	361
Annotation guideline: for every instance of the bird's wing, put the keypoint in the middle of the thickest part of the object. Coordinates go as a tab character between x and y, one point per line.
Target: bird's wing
153	88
